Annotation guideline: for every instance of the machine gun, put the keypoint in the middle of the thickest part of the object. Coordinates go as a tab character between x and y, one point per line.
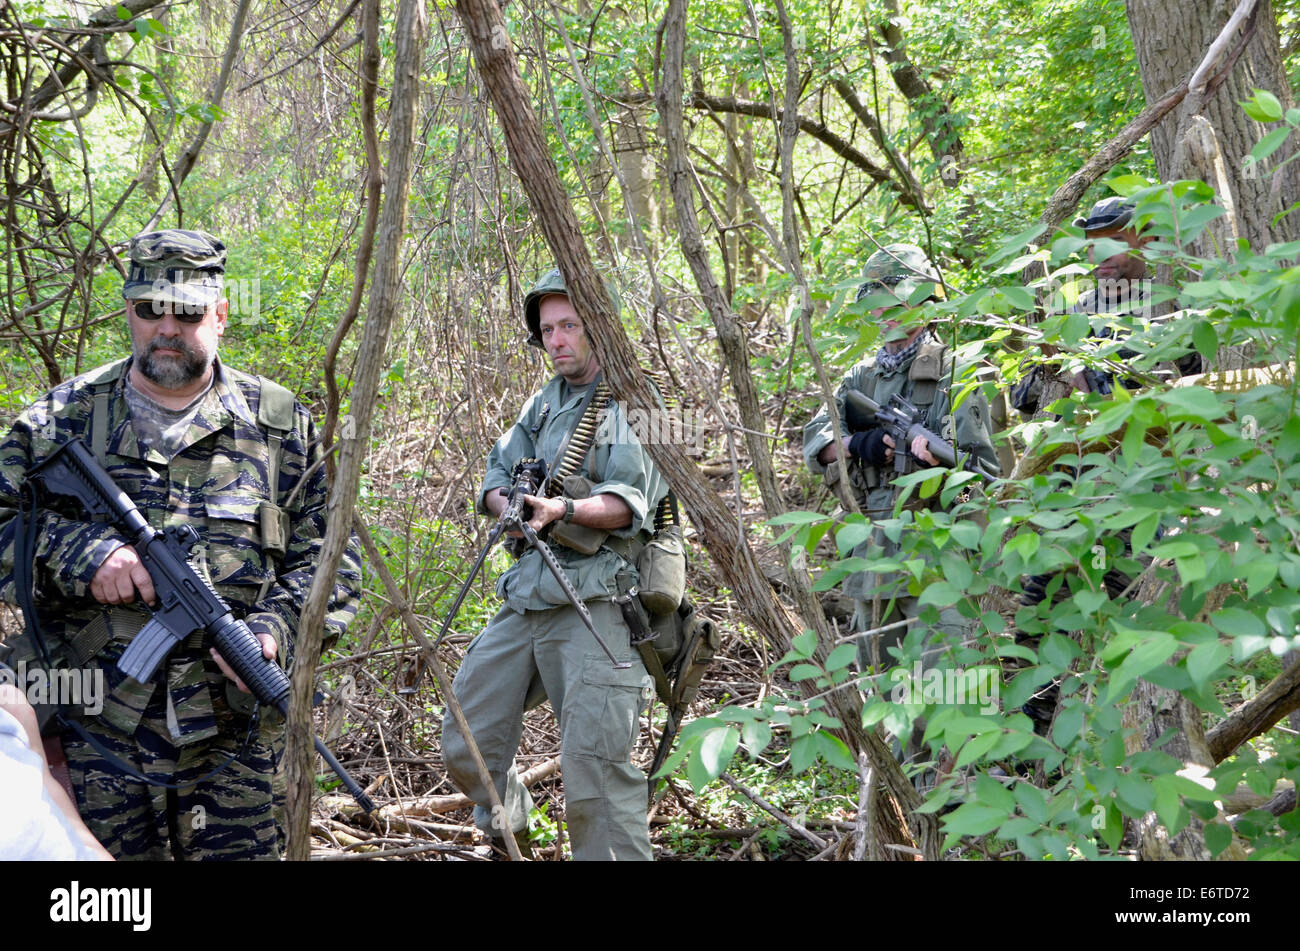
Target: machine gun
186	601
526	478
900	420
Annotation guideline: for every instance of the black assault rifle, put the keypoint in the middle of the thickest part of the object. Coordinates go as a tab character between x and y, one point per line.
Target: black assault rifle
186	601
900	420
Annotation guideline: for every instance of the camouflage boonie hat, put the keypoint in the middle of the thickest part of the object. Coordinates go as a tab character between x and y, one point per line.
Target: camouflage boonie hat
1106	214
552	282
175	266
899	269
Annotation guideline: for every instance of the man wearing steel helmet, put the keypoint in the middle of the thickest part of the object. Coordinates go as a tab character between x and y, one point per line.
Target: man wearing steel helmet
536	647
178	767
913	364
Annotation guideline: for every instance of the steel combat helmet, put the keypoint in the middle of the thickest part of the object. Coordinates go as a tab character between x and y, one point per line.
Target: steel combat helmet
552	282
1106	215
899	269
175	266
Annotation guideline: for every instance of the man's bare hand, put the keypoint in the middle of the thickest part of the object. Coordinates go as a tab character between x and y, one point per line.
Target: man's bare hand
545	511
268	651
120	577
921	450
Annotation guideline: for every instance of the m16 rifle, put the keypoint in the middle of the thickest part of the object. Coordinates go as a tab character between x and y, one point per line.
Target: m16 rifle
186	601
901	421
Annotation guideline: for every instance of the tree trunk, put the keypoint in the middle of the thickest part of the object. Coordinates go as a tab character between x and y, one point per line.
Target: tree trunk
1170	39
384	299
537	173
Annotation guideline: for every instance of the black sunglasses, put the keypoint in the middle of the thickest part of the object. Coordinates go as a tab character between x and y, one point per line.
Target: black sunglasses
156	310
879	286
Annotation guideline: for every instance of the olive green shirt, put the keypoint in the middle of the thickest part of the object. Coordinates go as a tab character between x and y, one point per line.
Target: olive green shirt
617	465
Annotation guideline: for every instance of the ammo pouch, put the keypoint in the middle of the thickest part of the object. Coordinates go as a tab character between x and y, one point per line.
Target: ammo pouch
581	538
684	644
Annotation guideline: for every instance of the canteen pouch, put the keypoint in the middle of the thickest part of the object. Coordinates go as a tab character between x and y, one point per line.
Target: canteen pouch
662	569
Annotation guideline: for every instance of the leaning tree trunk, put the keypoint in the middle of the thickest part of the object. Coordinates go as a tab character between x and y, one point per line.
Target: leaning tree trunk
495	60
1170	39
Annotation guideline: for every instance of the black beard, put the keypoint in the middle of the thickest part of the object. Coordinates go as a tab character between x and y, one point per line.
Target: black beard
173	372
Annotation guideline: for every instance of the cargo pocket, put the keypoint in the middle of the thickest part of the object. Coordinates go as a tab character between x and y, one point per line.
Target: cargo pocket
607	709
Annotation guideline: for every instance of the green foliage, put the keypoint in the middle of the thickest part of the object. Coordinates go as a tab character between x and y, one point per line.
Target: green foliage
1205	483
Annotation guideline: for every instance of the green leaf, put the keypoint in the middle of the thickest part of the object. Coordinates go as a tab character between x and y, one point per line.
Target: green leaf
1058	650
966	534
834	751
1068	724
756	735
1149	654
841	657
796	518
1259	575
976	748
1192	402
123	13
1205	339
804	644
850	536
1236	622
803	752
1112	751
974	819
1218	836
1169	806
1125	185
1014	244
1032	802
941	594
804	672
1133	790
1204	661
1144	531
1264	107
717	748
1269	144
1090	601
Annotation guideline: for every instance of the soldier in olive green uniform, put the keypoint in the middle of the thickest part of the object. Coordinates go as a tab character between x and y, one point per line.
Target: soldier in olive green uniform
190	441
918	368
537	647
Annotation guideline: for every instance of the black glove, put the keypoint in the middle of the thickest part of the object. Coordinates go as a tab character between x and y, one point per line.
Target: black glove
869	446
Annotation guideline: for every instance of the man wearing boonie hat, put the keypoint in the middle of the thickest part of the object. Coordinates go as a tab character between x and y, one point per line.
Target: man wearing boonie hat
178	767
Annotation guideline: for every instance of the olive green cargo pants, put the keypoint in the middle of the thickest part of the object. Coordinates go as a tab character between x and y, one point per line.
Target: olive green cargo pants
517	662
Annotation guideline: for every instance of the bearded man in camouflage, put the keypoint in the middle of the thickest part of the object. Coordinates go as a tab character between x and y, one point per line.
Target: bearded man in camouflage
536	647
178	767
917	367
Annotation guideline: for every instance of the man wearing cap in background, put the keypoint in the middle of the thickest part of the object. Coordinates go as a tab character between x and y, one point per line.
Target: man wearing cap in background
915	365
537	647
178	767
1121	286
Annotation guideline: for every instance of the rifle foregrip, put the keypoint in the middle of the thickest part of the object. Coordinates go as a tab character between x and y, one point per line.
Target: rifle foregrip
243	652
269	684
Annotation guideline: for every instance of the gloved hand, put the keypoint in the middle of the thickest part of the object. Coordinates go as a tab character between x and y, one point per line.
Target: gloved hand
869	446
